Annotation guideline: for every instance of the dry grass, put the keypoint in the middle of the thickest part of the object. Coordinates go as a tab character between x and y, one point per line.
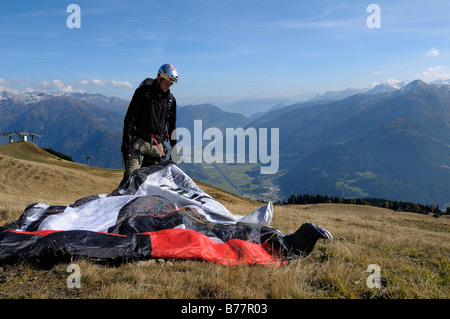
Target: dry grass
29	174
411	250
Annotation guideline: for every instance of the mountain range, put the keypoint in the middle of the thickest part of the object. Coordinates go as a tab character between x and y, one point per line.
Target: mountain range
74	126
390	141
389	145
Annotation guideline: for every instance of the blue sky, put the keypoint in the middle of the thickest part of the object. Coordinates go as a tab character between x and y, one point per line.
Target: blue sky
224	51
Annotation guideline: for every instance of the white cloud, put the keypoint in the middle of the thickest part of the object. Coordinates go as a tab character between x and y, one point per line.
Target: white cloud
98	82
9	82
315	24
57	85
120	84
28	90
436	73
103	83
8	87
433	52
380	72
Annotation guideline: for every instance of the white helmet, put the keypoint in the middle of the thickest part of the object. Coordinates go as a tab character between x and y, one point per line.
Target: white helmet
168	72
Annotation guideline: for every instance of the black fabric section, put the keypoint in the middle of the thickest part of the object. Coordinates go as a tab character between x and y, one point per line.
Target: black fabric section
146	214
15	246
61	246
302	242
84	200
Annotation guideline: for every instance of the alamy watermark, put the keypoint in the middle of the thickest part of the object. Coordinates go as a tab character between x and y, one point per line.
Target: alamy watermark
193	150
74	280
374	19
374	279
74	19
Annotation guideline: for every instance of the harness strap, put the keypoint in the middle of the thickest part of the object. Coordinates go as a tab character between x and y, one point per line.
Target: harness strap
154	136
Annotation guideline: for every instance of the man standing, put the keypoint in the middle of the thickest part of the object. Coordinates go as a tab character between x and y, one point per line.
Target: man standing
150	120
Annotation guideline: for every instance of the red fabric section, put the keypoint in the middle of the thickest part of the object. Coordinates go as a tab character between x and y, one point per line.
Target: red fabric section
189	244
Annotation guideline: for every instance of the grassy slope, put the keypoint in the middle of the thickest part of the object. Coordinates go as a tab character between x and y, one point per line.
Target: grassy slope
411	250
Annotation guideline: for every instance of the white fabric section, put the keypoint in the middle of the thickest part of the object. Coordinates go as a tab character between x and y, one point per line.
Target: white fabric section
173	184
33	213
96	215
170	183
262	216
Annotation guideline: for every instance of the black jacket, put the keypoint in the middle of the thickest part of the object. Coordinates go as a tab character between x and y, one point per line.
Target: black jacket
151	111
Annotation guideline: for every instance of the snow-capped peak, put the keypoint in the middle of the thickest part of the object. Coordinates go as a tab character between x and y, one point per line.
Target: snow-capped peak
28	97
36	96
